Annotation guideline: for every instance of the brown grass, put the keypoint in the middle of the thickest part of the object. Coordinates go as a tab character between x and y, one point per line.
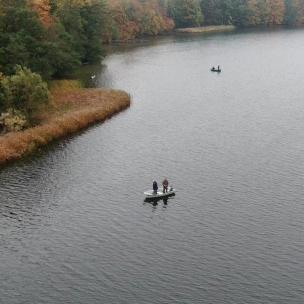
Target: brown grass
73	110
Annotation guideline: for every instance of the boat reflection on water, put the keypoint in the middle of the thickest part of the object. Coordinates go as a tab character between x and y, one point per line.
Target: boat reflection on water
155	201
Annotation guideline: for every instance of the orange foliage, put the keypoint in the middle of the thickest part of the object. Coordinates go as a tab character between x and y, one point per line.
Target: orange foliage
127	29
277	11
266	12
300	6
132	18
42	7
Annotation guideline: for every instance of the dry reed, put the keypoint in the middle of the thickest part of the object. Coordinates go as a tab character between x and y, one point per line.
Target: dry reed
207	29
73	110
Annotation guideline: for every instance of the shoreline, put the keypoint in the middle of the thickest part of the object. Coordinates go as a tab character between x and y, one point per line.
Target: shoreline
207	29
74	110
146	39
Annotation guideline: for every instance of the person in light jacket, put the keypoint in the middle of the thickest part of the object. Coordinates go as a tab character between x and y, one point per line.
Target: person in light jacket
165	185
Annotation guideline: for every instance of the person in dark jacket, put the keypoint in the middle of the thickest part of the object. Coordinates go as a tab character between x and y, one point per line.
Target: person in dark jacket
155	187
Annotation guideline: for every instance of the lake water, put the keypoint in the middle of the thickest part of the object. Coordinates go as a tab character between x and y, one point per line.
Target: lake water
73	224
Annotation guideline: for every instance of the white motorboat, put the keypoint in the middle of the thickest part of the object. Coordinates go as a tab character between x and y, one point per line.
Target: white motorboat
150	194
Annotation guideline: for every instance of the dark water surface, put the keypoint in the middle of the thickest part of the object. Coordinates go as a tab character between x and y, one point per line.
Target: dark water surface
73	225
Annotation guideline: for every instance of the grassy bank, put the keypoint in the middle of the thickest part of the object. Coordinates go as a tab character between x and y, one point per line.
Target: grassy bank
73	109
207	29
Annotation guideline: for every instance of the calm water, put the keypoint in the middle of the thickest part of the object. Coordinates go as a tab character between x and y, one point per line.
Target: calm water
73	224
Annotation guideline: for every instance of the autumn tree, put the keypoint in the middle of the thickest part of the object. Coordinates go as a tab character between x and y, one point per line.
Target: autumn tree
132	18
291	12
185	13
25	41
217	11
25	91
277	11
300	15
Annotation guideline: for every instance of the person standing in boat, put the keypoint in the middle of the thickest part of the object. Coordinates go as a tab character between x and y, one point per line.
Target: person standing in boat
165	185
155	187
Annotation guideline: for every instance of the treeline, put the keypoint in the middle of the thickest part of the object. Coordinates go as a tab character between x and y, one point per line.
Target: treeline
53	37
50	37
242	13
253	12
128	19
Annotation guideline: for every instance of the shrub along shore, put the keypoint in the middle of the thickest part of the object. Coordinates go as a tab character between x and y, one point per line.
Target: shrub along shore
72	110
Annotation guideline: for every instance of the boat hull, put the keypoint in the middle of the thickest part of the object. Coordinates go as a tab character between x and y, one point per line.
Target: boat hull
160	194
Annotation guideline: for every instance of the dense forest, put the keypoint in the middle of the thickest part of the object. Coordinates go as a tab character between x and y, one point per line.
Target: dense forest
45	39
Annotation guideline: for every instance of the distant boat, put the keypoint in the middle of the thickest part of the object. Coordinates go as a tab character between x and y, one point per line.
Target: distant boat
218	70
93	76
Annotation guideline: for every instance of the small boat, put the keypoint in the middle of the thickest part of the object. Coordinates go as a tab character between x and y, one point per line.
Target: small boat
150	194
216	70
